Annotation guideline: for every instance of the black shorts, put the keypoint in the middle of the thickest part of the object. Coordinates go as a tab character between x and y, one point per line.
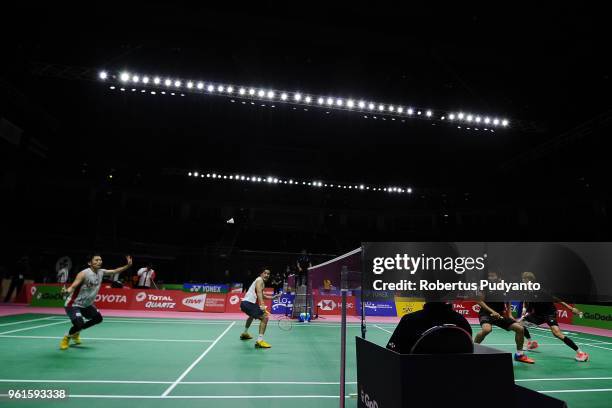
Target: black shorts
76	313
504	322
251	309
550	320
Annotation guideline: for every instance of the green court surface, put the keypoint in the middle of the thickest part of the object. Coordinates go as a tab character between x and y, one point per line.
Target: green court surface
131	362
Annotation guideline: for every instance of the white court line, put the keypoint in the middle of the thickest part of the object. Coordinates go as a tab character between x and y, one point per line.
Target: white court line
514	344
110	339
378	327
580	344
170	321
34	327
197	396
262	396
594	345
568	391
263	382
106	320
178	380
26	321
574	334
9	380
586	339
564	379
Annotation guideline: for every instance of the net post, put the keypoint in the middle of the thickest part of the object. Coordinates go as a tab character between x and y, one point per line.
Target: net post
363	309
344	289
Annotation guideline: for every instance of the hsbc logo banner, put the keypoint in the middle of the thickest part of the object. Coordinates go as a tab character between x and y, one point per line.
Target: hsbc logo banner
332	305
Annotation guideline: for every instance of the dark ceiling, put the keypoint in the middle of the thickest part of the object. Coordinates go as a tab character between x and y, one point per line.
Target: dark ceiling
538	65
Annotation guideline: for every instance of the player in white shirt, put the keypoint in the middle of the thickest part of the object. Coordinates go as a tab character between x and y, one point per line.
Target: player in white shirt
146	276
82	294
253	304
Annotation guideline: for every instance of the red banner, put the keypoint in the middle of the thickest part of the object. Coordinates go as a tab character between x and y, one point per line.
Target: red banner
173	300
467	309
114	298
215	302
332	305
564	315
232	302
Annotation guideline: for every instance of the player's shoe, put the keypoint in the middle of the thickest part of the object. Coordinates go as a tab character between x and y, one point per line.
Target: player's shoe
582	356
262	344
65	343
245	336
522	358
76	338
532	345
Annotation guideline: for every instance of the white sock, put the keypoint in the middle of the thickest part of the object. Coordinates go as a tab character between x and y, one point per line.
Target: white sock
519	352
260	337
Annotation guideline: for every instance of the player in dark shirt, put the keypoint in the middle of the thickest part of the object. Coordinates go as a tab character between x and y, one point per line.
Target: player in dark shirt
540	312
413	325
497	314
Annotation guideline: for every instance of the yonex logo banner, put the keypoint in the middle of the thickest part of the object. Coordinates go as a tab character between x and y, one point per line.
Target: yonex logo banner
206	287
499	271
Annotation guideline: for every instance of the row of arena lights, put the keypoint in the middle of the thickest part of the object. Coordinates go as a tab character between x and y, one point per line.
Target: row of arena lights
299	98
275	180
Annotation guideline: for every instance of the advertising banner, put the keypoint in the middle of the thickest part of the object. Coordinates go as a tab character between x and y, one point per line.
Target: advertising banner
206	287
46	296
404	306
377	308
215	302
594	316
172	300
114	298
172	286
564	315
284	304
236	288
467	309
331	305
232	302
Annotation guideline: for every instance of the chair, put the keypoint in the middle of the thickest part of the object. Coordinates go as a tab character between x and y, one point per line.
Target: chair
445	339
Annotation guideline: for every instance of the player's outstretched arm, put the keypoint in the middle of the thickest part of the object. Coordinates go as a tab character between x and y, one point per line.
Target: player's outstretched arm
128	259
574	310
77	281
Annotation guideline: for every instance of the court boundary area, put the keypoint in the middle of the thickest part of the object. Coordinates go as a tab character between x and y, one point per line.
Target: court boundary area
14	330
